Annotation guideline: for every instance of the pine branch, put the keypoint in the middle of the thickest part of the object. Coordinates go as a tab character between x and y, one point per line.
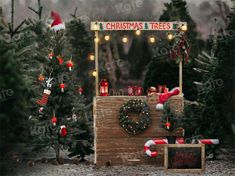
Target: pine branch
74	14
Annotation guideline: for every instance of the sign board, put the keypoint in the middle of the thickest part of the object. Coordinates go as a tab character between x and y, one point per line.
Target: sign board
184	157
135	25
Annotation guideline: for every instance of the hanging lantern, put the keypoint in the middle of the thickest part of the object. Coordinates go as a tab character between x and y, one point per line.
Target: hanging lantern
69	65
62	86
63	131
104	86
130	90
138	90
54	120
41	78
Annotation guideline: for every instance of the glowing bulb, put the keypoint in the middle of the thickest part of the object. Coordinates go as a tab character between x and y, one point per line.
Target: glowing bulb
107	37
152	39
137	32
96	40
170	36
91	57
184	27
124	39
94	73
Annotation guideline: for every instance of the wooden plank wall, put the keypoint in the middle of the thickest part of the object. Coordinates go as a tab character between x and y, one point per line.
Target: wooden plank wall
114	145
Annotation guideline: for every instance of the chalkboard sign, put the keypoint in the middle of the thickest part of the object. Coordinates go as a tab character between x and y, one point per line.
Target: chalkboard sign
184	157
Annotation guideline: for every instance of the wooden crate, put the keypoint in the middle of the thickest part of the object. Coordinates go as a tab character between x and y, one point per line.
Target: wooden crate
113	145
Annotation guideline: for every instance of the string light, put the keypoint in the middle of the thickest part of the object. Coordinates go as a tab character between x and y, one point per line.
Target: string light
183	27
170	36
107	37
138	32
124	39
94	73
152	39
91	57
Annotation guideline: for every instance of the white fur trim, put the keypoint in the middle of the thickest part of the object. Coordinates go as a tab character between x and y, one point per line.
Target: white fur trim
46	91
159	106
58	27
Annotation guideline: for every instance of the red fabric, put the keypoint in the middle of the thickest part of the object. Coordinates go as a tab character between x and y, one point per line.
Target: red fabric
56	19
163	97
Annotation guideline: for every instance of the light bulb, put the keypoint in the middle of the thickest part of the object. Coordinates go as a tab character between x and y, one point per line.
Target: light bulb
152	39
94	73
137	32
107	37
91	57
170	36
124	39
96	40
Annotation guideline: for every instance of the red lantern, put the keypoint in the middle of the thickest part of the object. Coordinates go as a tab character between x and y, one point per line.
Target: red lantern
69	65
63	131
62	86
138	90
54	120
130	90
104	87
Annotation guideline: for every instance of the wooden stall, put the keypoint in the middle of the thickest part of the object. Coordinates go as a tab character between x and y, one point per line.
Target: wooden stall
116	147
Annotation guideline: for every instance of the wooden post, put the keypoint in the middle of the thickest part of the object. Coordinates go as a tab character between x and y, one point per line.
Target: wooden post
97	63
181	76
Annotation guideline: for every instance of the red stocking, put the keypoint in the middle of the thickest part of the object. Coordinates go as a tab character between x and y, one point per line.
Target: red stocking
44	99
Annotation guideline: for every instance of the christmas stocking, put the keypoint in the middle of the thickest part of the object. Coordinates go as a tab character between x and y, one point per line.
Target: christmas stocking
44	99
163	97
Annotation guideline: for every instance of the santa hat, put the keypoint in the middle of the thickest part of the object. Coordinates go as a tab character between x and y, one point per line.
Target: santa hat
163	97
57	24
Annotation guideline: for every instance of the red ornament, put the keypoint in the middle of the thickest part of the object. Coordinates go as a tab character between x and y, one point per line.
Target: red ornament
63	131
104	87
62	86
51	55
80	90
69	65
41	77
54	120
168	125
60	60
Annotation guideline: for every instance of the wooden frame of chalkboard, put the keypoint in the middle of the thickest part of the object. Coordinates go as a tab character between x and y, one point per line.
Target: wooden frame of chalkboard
184	158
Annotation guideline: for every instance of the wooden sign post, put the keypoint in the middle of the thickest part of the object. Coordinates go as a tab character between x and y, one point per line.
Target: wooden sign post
184	158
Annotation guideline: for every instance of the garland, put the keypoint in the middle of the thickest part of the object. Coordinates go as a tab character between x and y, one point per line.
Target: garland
131	126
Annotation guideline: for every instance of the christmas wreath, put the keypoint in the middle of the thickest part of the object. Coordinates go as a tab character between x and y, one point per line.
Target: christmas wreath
135	126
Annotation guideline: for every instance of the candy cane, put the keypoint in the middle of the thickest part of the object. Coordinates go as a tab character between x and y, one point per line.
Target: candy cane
208	141
158	141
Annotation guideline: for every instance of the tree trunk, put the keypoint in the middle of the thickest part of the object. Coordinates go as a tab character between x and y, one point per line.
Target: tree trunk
57	151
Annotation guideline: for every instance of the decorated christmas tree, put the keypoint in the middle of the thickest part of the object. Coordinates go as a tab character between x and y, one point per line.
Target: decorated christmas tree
60	108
